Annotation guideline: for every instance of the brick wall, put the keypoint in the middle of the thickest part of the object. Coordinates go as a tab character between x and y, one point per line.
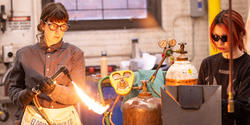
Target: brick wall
176	23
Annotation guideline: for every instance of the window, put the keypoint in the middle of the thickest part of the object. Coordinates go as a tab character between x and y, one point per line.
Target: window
112	14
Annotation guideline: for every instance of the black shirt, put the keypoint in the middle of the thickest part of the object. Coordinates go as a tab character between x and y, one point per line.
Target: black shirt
214	70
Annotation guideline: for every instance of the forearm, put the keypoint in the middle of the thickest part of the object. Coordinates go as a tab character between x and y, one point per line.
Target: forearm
21	97
16	81
13	94
66	94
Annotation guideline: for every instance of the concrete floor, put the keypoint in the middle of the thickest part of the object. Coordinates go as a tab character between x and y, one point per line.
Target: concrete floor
11	108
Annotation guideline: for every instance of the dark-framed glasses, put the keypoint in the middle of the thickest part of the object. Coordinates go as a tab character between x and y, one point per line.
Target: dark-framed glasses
54	26
216	38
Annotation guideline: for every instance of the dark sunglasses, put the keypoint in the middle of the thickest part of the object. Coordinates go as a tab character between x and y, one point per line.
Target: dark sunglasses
216	38
54	26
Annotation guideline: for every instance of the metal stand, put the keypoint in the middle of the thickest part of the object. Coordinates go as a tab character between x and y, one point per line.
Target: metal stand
191	105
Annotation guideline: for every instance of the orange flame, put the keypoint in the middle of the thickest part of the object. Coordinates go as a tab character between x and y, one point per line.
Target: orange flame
92	104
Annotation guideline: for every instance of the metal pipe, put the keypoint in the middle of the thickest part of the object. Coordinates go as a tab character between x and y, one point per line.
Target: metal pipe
230	107
11	8
152	78
192	41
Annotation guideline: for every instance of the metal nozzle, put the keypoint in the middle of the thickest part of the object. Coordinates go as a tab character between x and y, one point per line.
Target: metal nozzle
64	70
230	105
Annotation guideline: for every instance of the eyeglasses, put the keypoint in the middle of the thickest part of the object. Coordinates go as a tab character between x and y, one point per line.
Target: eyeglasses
216	38
54	26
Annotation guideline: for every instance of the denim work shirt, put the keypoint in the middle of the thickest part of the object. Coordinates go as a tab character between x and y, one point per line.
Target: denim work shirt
46	61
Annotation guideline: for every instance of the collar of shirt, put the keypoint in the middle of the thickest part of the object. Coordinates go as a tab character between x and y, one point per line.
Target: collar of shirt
52	48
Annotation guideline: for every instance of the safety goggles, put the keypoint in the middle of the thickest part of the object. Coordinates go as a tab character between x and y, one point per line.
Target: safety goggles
54	26
216	38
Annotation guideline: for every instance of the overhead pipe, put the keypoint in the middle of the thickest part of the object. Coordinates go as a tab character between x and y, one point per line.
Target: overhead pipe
3	18
230	106
11	8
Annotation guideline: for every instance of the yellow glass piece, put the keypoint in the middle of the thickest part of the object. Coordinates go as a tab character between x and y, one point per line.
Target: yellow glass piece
122	81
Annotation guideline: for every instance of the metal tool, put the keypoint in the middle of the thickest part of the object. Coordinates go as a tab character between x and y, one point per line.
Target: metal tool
37	91
230	107
168	51
122	81
4	115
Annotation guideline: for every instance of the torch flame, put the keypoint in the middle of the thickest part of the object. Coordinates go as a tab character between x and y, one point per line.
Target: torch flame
92	104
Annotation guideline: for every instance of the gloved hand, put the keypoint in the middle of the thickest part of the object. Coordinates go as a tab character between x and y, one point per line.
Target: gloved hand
47	86
26	96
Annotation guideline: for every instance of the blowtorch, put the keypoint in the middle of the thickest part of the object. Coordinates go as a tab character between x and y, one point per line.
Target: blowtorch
51	82
95	106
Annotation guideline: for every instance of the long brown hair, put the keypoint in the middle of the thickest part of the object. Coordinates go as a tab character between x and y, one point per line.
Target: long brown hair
54	12
238	27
